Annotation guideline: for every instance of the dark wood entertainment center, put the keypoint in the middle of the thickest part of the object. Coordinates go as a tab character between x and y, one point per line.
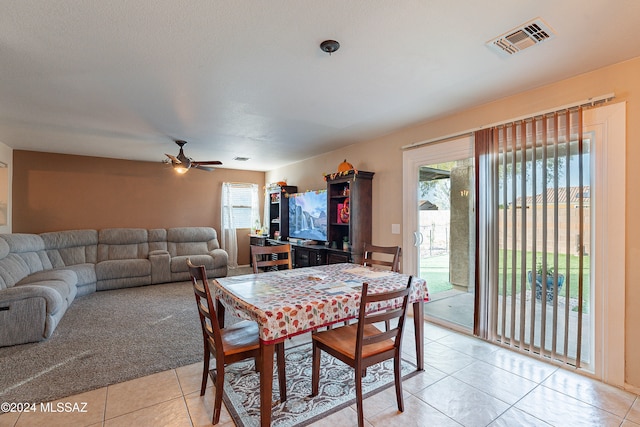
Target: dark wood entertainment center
307	255
353	188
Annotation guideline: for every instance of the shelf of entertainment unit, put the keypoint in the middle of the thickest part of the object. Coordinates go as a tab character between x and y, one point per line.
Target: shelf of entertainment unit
279	210
355	188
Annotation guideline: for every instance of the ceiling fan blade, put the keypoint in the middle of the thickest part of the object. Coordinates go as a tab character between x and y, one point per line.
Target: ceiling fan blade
174	159
212	162
204	168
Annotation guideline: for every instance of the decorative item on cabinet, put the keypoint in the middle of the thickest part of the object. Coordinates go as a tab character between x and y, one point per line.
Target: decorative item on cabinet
343	214
345	166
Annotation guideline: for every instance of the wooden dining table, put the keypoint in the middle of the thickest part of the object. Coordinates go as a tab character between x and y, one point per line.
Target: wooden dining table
286	303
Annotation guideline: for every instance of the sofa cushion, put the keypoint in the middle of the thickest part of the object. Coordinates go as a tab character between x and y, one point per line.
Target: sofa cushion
66	276
19	242
71	247
12	270
29	247
4	248
86	274
157	239
179	263
26	256
115	269
122	243
191	240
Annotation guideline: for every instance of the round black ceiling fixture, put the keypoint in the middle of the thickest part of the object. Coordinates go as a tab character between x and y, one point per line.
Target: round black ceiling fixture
329	46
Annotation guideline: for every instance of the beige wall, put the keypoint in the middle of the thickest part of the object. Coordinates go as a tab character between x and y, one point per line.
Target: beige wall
384	157
62	192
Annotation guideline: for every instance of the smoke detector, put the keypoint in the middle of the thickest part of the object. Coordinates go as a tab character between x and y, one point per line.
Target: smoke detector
523	37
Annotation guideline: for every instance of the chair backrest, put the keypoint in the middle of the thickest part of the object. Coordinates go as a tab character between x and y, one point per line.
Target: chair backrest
271	256
397	302
206	308
385	256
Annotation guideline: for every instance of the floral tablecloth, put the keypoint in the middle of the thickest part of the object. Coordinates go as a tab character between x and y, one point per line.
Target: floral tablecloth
290	302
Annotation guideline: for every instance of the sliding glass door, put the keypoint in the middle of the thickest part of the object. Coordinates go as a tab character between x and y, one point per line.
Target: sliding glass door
549	276
442	246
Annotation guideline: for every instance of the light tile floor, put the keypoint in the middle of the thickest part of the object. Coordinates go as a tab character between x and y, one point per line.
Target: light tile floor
466	382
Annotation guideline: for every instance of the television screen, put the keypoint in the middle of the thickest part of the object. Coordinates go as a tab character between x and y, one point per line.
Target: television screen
308	215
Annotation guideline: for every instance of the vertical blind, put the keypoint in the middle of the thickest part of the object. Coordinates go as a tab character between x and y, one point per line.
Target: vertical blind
530	181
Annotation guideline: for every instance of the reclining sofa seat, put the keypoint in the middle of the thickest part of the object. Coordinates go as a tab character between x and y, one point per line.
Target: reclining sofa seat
123	258
74	250
200	244
34	297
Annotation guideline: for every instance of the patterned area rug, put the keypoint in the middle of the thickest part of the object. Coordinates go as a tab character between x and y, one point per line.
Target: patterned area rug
337	389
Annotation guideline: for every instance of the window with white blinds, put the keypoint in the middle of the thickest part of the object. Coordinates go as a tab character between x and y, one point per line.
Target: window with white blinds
242	205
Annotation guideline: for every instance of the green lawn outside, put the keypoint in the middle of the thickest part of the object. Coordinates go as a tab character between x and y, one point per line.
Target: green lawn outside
571	276
436	272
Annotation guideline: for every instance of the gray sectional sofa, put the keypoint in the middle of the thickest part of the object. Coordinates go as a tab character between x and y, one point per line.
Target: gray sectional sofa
41	274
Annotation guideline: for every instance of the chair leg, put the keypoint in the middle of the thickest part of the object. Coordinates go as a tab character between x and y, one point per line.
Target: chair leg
398	374
359	403
205	371
282	378
217	402
256	363
315	370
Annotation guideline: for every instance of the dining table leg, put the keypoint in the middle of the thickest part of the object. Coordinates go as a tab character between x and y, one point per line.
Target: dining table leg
418	322
220	310
266	383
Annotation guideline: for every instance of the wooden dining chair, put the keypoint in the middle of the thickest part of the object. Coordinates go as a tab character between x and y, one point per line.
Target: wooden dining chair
362	344
271	257
382	256
228	345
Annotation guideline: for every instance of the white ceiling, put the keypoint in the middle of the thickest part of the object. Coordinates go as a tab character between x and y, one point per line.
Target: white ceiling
124	78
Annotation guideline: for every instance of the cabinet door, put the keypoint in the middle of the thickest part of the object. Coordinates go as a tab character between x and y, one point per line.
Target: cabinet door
303	257
338	258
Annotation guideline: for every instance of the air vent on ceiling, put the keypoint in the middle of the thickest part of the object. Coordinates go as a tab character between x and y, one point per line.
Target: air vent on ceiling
520	38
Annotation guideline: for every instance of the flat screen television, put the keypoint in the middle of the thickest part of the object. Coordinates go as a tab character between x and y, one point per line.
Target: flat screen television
308	215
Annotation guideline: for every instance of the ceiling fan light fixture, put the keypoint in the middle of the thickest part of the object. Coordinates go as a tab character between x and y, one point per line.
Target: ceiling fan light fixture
182	163
329	46
180	169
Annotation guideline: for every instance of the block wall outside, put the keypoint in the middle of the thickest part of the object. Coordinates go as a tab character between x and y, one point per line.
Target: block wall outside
572	231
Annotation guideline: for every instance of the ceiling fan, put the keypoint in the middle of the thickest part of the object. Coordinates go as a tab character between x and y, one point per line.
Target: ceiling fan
182	163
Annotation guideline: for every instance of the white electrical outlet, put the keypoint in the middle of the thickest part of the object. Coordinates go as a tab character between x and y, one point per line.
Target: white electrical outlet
395	228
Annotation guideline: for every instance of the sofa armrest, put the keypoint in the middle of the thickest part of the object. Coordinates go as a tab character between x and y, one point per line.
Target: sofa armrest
53	300
160	266
220	257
